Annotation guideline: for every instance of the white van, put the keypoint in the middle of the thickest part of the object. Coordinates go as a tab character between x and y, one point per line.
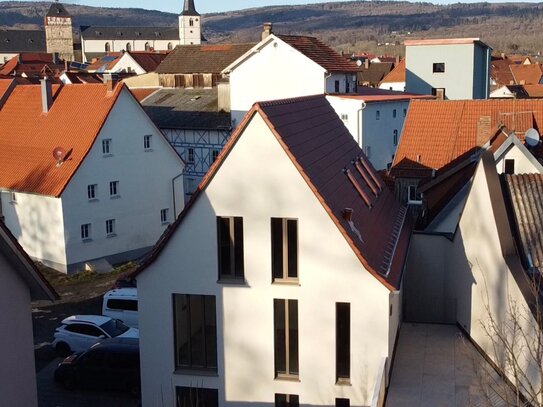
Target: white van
122	303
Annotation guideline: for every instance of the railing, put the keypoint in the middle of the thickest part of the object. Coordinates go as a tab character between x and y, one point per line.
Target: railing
378	399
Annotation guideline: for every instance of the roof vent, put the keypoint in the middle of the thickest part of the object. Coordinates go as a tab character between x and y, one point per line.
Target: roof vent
46	94
347	214
267	30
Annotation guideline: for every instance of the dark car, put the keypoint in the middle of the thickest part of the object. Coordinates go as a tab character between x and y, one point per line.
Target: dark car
111	364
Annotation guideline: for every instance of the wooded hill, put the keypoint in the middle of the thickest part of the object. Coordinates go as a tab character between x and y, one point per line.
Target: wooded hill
348	26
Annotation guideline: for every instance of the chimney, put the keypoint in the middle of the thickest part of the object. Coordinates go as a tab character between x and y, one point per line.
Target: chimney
367	63
55	58
347	214
484	130
46	94
397	59
110	80
267	30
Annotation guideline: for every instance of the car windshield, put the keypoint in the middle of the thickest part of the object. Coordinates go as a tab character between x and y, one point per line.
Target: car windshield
114	327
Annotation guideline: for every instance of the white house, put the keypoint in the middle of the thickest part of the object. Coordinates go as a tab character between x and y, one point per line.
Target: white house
138	62
20	283
86	178
284	66
455	68
281	280
395	79
375	119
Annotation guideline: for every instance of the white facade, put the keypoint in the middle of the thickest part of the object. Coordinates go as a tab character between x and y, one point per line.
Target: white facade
398	86
376	126
275	70
189	30
127	64
93	46
502	92
245	318
147	183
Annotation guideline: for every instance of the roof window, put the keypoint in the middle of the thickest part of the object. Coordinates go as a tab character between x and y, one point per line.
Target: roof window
358	188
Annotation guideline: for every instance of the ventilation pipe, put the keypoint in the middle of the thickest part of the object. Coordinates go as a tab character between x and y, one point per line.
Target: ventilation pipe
267	30
46	94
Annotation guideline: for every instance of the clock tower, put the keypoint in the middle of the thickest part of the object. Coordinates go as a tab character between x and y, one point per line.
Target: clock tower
58	32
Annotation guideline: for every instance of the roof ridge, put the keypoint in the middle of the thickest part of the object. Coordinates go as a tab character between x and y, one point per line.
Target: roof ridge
279	102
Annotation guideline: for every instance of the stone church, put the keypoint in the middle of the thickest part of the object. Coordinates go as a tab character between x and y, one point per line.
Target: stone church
96	41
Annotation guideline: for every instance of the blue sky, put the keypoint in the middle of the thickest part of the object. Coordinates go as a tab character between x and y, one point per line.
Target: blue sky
210	6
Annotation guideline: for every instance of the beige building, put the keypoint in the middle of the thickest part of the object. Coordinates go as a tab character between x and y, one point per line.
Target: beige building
59	36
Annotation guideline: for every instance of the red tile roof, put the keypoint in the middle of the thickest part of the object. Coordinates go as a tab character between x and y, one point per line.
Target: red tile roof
500	71
320	53
397	74
73	122
527	74
32	64
436	133
5	85
149	61
142	93
368	95
340	176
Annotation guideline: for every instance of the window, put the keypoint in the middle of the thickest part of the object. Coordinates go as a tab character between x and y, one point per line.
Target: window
214	155
190	155
285	314
336	86
343	341
509	167
438	67
284	242
91	191
230	244
110	227
195	331
412	196
395	137
106	146
377	115
344	117
164	215
170	46
125	305
147	141
404	112
84	329
196	397
191	22
13	197
114	189
107	47
128	47
347	87
342	402
394	113
286	400
86	231
147	46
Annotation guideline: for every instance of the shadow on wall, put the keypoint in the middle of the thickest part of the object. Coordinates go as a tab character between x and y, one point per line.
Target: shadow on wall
415	84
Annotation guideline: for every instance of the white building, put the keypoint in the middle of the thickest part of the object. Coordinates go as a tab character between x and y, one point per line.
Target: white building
281	269
20	283
456	68
375	119
86	178
284	66
395	79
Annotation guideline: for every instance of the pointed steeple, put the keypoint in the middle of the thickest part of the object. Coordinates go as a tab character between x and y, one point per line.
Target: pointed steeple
189	9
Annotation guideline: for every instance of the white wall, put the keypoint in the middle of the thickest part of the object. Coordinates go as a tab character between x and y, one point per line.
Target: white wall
399	86
278	71
127	64
119	45
345	81
188	264
37	223
370	132
145	187
522	164
17	375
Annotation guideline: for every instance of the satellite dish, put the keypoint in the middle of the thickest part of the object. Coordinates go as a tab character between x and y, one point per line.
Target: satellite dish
358	62
532	137
58	154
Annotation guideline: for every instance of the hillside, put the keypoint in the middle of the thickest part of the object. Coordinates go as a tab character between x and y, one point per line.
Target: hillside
348	26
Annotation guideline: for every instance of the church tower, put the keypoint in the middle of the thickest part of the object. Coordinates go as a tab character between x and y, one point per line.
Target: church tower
58	32
189	25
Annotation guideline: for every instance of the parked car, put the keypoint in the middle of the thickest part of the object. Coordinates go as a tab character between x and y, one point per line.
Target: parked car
122	304
79	332
111	364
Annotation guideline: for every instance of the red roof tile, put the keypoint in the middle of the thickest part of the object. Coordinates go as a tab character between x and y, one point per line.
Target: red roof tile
142	93
368	95
31	64
149	61
500	71
436	133
73	122
527	74
340	176
397	74
320	53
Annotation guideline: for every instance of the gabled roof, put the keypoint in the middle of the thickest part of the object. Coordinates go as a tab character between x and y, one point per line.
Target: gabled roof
29	136
319	53
527	74
209	59
500	71
22	41
39	287
32	64
397	74
336	170
149	61
84	77
375	72
57	10
183	108
96	32
437	133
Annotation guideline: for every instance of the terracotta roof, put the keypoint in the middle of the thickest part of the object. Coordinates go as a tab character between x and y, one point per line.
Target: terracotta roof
374	74
32	64
187	59
534	91
500	71
445	41
368	95
142	93
527	74
397	74
340	176
73	122
319	52
149	61
525	191
5	85
436	133
84	77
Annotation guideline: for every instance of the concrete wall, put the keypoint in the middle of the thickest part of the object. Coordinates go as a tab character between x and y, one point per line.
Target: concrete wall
188	264
17	375
37	222
145	187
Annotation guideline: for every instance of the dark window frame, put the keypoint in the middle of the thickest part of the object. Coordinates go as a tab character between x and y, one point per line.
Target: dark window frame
343	342
286	339
438	67
284	251
287	400
197	397
509	166
230	251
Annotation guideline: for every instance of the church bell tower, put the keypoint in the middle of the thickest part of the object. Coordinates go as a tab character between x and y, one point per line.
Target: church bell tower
58	32
189	25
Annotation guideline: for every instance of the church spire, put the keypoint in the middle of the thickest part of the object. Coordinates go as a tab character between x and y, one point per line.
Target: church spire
189	9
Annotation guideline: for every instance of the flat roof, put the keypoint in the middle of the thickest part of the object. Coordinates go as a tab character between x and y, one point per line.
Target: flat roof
445	41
